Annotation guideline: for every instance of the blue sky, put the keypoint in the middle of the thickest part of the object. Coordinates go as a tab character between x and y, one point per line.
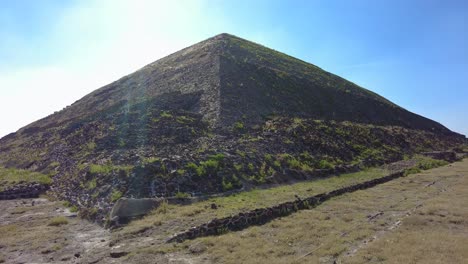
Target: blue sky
415	53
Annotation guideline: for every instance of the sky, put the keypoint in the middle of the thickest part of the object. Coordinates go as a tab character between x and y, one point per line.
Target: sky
414	53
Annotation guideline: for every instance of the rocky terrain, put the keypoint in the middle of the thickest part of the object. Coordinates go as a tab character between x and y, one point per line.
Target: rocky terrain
224	114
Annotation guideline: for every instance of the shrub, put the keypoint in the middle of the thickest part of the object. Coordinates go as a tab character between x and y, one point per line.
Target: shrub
192	167
115	195
181	195
429	164
277	164
294	163
324	164
412	171
91	146
162	208
251	167
218	157
238	167
92	184
210	166
238	125
100	169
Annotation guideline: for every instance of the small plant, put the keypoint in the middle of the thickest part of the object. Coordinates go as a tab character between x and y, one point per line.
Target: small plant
412	171
181	195
162	208
209	166
238	167
218	157
277	164
238	125
99	169
91	146
74	209
91	184
151	160
324	164
294	163
165	114
58	221
227	185
184	119
115	195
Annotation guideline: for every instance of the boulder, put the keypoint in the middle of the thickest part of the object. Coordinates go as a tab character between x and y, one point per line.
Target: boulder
128	208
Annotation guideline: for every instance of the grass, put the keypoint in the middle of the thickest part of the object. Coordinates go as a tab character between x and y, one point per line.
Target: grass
11	176
435	233
115	195
58	221
329	231
432	233
241	202
108	168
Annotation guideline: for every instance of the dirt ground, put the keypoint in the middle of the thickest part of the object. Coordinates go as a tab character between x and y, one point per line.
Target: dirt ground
41	231
421	218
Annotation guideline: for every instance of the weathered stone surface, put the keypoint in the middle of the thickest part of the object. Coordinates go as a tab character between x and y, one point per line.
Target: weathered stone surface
449	156
127	208
23	191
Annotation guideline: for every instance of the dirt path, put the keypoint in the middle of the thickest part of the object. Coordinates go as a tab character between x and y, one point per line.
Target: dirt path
26	235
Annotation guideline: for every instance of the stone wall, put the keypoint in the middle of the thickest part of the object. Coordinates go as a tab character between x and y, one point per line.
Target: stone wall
449	156
263	215
31	190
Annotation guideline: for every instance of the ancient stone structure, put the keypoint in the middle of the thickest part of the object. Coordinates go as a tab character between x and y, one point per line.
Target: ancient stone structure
31	190
449	156
263	215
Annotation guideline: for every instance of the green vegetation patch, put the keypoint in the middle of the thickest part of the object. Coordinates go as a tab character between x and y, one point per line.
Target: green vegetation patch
107	168
11	176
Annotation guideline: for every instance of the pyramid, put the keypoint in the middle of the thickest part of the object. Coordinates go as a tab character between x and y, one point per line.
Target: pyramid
223	114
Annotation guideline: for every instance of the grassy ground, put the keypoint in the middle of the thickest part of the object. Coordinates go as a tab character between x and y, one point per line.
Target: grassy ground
10	177
420	218
189	215
417	219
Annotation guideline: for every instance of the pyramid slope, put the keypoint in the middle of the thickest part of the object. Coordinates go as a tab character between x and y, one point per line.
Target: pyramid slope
266	82
238	79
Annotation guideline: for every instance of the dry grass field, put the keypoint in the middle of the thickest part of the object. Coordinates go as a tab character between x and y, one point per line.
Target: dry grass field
421	218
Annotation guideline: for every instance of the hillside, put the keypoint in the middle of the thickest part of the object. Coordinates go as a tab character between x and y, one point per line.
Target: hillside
223	114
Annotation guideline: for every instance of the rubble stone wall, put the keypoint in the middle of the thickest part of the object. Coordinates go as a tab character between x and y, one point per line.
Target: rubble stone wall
31	190
263	215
